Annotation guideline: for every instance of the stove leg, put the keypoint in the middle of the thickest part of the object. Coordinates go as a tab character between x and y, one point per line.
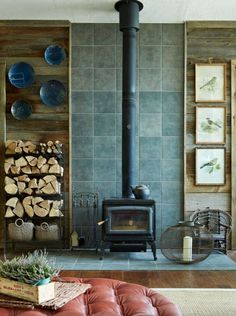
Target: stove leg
154	249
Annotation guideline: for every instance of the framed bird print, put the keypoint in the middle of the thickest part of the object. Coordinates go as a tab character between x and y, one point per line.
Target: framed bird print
210	166
210	124
210	82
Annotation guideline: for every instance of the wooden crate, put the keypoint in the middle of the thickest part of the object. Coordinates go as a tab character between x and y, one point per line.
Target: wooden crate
32	293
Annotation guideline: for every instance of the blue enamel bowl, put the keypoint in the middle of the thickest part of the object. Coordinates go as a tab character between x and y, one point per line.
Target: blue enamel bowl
21	109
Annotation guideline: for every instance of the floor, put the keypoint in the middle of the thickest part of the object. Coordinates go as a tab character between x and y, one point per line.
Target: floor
90	260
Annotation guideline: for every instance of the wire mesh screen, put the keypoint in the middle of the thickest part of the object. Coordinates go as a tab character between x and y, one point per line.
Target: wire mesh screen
85	216
186	242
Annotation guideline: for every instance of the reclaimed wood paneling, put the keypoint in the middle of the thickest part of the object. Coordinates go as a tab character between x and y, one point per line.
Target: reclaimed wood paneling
26	41
207	42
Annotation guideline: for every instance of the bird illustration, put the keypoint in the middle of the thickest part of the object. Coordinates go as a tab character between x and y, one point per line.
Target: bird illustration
210	122
209	85
212	163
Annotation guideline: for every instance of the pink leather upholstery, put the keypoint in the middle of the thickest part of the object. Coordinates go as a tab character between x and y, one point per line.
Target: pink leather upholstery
108	297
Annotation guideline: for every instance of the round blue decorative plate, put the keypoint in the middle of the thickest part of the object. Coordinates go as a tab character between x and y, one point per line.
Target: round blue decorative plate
21	75
54	55
52	93
21	109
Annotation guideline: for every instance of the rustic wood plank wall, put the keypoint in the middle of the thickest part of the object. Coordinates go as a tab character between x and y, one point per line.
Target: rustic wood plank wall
207	42
26	41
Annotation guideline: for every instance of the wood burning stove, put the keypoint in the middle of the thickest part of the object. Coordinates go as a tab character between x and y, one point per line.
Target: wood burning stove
128	225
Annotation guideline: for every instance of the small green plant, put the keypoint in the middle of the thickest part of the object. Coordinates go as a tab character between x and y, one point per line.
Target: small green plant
30	268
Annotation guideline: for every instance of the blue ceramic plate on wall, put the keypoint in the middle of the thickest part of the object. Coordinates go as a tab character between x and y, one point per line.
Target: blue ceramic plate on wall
52	93
21	109
21	75
54	55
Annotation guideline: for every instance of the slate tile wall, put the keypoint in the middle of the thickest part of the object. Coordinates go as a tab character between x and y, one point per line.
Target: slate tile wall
96	113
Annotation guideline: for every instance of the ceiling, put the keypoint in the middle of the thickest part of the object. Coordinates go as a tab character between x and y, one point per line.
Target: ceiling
102	11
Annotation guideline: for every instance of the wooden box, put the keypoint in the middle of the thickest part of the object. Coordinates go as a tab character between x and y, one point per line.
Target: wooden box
32	293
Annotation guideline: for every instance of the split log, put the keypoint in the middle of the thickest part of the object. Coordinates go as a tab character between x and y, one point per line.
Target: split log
9	180
9	213
33	162
52	161
28	191
27	200
21	162
27	169
45	204
10	160
41	161
48	189
12	201
49	178
31	147
33	184
41	183
18	150
21	186
19	210
55	213
44	168
29	210
36	200
55	169
11	188
23	178
39	211
11	145
7	167
35	170
15	169
56	186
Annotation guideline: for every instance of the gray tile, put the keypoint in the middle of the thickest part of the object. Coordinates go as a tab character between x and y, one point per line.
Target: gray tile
172	125
150	34
118	170
106	189
172	170
172	192
119	102
82	102
82	125
119	79
105	34
104	57
119	35
119	56
172	102
172	214
173	56
82	169
82	186
173	34
150	147
104	102
149	170
82	147
104	169
82	56
82	79
155	190
173	79
150	79
150	102
118	147
150	56
104	147
118	125
104	125
150	125
104	79
82	33
172	147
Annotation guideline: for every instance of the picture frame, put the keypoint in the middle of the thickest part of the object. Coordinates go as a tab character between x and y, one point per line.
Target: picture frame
210	124
210	82
210	166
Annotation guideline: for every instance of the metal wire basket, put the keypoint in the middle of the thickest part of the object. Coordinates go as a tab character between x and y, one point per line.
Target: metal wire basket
186	242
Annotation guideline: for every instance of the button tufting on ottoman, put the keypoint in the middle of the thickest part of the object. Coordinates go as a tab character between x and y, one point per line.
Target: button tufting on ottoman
108	297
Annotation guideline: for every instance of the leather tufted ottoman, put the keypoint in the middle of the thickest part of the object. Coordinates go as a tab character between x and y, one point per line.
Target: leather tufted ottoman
108	297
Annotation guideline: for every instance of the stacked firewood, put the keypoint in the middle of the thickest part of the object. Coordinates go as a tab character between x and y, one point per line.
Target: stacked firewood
32	165
33	206
32	178
19	146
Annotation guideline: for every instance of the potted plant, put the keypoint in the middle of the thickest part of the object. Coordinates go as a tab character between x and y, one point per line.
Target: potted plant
33	268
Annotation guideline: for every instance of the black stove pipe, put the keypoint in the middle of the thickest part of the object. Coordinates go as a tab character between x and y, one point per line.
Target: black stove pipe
129	25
